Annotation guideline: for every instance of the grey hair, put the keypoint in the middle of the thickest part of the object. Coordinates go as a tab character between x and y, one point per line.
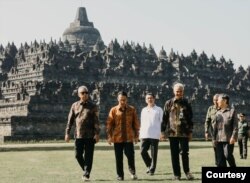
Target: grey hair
178	85
82	89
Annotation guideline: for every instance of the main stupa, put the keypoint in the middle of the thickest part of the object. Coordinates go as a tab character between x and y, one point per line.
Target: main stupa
81	31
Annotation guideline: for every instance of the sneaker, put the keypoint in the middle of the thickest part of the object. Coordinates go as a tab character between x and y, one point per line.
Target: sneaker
176	178
134	177
85	178
189	176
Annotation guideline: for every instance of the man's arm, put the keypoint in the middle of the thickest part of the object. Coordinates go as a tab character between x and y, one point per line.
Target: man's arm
97	124
136	126
207	124
71	119
235	128
109	125
165	121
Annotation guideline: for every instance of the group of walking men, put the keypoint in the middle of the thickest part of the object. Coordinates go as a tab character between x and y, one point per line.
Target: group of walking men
225	127
124	129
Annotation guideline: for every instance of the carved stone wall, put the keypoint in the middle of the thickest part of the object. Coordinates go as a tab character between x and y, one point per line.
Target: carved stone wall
38	82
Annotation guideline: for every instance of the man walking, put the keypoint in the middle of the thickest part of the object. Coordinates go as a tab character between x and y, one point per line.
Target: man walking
150	131
177	122
209	119
225	132
84	115
123	130
243	135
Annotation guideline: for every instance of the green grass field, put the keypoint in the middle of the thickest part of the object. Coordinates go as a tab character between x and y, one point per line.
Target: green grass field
55	163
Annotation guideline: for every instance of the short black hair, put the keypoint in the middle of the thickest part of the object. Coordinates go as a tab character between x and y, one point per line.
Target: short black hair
123	93
225	97
151	94
242	114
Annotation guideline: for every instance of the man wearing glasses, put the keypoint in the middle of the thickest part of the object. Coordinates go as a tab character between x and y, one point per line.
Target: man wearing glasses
84	115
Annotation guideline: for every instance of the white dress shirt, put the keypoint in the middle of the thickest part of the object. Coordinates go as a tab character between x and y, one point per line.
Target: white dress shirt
151	118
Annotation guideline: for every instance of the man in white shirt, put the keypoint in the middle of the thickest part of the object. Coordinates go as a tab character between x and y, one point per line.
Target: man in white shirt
150	131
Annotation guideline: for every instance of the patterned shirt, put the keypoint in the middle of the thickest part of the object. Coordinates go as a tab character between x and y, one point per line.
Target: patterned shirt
225	125
210	118
243	127
85	116
177	118
122	125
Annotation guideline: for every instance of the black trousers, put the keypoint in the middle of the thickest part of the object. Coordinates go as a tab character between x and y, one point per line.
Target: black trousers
215	155
224	152
150	161
128	149
242	141
84	152
179	145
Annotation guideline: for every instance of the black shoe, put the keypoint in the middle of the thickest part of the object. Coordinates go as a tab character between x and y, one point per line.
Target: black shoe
241	157
245	157
189	176
134	177
85	178
120	178
176	178
150	171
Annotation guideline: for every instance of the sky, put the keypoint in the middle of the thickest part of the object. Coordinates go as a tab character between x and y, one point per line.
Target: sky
218	27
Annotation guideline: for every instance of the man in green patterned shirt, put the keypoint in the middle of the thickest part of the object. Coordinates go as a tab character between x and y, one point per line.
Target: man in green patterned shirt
209	119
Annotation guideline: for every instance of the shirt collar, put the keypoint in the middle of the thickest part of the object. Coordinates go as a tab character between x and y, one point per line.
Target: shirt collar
119	107
226	109
82	102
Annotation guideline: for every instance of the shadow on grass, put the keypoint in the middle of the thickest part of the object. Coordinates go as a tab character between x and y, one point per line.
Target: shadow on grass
63	147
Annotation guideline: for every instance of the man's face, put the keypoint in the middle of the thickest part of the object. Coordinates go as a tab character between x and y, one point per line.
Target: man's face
221	102
83	95
150	100
242	118
122	100
215	99
178	92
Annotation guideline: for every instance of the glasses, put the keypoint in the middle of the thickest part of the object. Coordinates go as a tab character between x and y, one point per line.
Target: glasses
84	93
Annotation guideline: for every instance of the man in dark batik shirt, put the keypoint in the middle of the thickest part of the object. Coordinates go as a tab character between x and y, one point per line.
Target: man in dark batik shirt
84	115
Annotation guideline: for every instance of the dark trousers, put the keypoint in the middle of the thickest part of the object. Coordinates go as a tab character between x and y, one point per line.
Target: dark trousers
84	152
179	145
150	161
215	155
128	149
242	141
224	152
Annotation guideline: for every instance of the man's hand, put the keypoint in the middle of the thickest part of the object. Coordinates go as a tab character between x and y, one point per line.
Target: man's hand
232	140
97	138
67	138
214	143
206	136
190	135
109	141
136	140
163	137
